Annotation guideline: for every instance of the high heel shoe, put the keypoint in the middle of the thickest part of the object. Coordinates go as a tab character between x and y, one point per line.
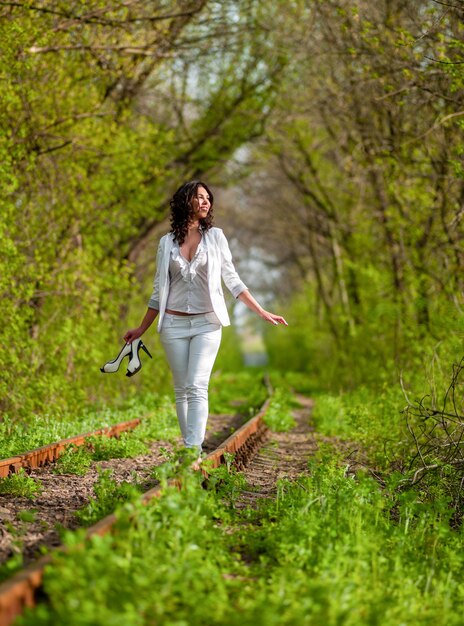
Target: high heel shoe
135	364
113	366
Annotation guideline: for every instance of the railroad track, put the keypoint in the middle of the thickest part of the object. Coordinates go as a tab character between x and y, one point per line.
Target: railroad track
282	455
29	525
39	457
264	458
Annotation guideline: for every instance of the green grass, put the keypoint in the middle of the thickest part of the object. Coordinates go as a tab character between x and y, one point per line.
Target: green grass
159	425
229	393
127	445
371	417
18	437
74	460
278	416
330	550
237	392
27	516
13	565
20	484
108	495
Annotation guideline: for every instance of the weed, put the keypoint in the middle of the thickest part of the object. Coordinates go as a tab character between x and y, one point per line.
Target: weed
108	495
123	447
177	463
160	423
278	416
326	552
20	484
11	566
74	460
226	480
368	416
27	516
242	390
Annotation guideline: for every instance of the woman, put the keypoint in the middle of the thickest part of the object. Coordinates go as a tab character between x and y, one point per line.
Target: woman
188	298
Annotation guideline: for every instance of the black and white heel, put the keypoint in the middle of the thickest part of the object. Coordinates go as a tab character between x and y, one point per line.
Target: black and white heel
135	364
113	366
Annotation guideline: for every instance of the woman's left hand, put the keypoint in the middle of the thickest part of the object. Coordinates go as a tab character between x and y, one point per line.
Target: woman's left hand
273	319
252	304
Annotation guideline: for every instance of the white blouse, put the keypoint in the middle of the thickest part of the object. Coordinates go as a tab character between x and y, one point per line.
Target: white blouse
188	289
220	265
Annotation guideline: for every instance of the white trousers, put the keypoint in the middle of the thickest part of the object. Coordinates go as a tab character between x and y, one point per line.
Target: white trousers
191	343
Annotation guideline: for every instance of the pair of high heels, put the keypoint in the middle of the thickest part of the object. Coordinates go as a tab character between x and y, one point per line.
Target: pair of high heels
135	363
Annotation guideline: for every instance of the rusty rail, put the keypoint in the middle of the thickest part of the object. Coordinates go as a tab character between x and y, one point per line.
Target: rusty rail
242	442
21	590
49	453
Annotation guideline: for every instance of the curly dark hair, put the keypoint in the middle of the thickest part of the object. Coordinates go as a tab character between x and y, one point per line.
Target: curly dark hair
182	210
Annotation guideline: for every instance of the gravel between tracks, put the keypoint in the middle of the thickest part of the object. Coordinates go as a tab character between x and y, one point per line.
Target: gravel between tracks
283	455
62	495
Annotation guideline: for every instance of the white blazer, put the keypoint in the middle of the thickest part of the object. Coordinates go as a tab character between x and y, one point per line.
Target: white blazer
219	264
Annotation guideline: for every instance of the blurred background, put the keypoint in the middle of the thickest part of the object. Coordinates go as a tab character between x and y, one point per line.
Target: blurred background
331	134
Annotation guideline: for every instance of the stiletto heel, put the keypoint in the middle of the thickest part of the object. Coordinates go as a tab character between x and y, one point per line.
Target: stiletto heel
145	349
135	364
113	366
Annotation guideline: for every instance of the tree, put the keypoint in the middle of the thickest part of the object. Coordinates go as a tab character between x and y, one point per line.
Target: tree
107	107
360	170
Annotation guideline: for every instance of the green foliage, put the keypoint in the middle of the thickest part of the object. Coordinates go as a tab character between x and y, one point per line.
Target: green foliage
372	173
230	357
92	147
176	463
243	391
159	422
436	425
20	484
298	349
160	418
28	516
329	550
108	496
278	416
337	557
226	481
293	381
185	552
74	460
11	566
123	447
369	417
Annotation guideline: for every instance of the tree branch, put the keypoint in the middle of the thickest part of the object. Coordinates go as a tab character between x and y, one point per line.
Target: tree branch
132	50
89	19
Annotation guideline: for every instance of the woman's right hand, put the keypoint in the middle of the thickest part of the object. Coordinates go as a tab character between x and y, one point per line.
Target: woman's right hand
133	334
